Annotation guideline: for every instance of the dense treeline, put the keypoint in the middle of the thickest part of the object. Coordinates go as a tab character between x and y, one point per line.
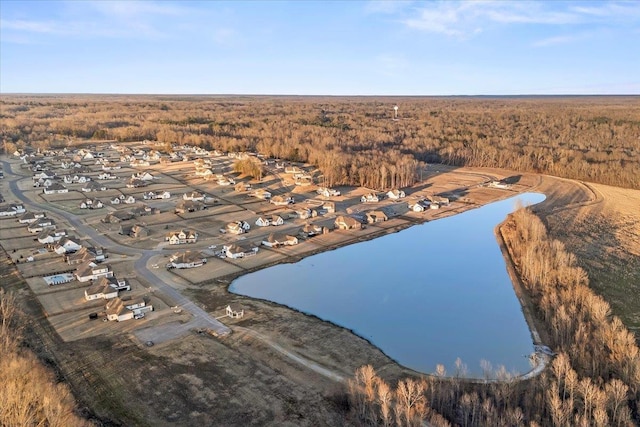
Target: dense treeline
594	380
29	395
354	140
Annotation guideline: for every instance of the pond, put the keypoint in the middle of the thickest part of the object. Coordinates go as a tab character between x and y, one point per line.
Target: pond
426	295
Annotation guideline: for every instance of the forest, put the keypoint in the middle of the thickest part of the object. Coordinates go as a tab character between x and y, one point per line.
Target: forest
355	141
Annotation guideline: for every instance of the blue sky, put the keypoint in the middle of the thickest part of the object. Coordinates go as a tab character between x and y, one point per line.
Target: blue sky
323	48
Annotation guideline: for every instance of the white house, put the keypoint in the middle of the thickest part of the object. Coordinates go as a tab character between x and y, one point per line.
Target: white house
106	288
187	259
55	188
29	217
143	176
12	209
419	206
106	176
263	222
51	236
181	236
129	200
89	270
193	196
281	200
275	240
115	201
67	245
327	192
41	224
369	198
119	310
91	204
396	194
262	194
238	227
93	186
240	250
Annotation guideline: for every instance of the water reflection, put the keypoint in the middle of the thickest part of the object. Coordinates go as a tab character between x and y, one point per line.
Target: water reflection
426	295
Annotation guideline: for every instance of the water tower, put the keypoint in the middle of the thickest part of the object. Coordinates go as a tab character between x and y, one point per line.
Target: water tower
395	112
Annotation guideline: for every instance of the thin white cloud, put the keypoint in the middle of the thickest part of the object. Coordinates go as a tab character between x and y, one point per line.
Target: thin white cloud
464	18
557	40
386	6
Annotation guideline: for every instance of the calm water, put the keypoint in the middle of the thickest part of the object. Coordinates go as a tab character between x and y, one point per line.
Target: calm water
425	295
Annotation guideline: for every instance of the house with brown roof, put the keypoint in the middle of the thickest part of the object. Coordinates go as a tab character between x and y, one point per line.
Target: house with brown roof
135	231
89	270
185	206
281	200
344	222
187	259
274	240
29	217
241	249
117	309
376	216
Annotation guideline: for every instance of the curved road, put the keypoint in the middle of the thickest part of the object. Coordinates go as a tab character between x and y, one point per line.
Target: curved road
200	316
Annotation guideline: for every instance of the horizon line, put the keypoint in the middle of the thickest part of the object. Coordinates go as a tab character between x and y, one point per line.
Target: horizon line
311	95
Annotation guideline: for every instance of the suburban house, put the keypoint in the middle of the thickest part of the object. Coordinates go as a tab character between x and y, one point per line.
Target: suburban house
262	194
187	259
143	176
89	270
29	217
152	195
134	231
41	224
204	172
275	240
396	194
347	223
240	250
193	196
67	245
181	236
314	229
327	192
93	186
43	175
376	216
238	227
115	201
242	186
91	204
281	200
49	236
420	206
55	188
439	200
292	170
223	180
116	217
12	209
136	183
369	198
275	220
108	166
304	213
185	206
85	255
129	200
144	210
117	309
106	176
138	163
106	288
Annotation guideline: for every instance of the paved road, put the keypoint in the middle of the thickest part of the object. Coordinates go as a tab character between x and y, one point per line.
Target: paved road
201	317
